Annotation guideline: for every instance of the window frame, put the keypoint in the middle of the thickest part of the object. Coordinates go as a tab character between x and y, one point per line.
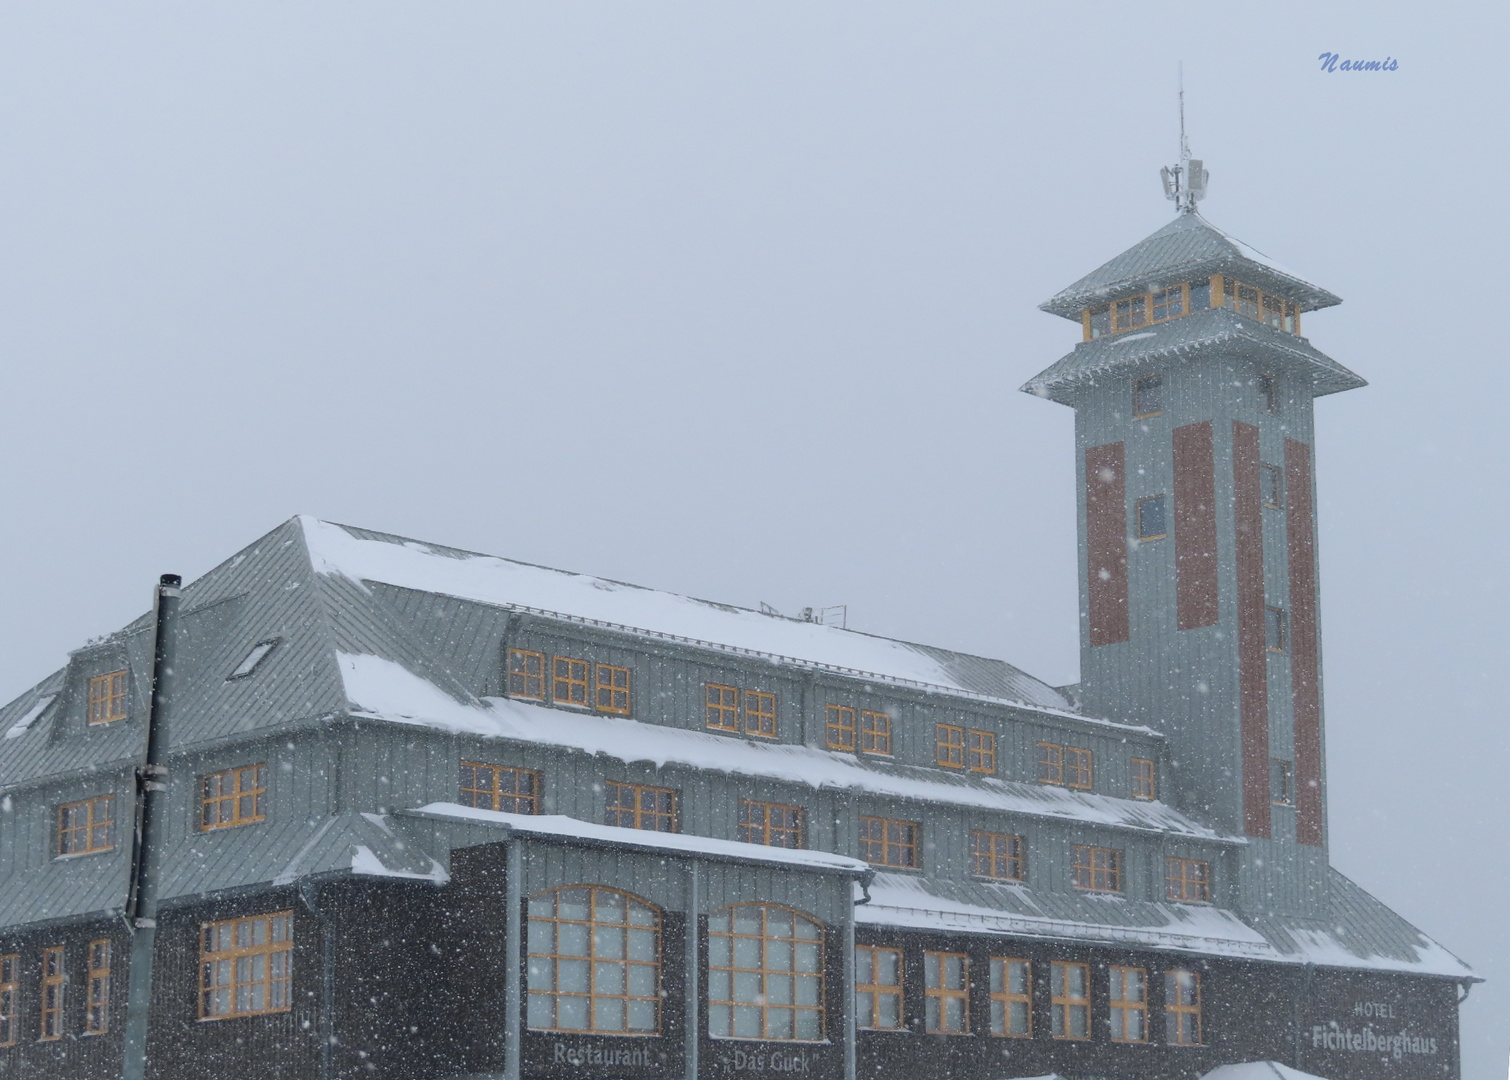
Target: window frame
1271	477
638	812
1144	535
913	846
1286	773
1176	1011
10	998
839	735
256	793
255	657
1120	1007
875	990
92	822
1145	781
765	828
54	993
980	751
1267	385
1187	881
1001	975
1087	875
272	949
875	732
949	746
1062	1004
496	794
1276	628
1080	762
97	999
570	681
1140	388
612	696
113	694
592	964
1014	858
1051	764
815	979
760	728
723	713
520	677
937	996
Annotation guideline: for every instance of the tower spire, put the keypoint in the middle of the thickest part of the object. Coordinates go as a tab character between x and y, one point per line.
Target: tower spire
1185	183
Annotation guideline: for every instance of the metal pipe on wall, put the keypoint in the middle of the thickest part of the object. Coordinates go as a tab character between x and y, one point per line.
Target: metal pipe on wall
692	964
149	835
513	960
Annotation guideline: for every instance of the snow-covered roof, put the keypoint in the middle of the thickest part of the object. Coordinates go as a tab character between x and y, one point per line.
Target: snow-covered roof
386	690
1187	248
1259	1070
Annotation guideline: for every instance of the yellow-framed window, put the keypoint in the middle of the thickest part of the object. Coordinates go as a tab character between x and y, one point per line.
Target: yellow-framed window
246	966
107	697
1011	997
760	714
997	855
980	751
86	826
1078	768
54	986
504	788
1273	312
723	707
232	797
771	824
946	992
1097	869
1168	303
878	988
568	681
1070	1000
949	745
97	1012
1187	880
765	974
1131	313
10	993
613	689
1050	763
839	728
594	962
526	674
1182	1008
638	806
884	842
1247	300
1144	785
875	732
1129	1004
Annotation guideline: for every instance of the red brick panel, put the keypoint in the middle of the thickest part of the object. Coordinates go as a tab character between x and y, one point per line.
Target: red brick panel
1252	653
1195	526
1106	543
1305	673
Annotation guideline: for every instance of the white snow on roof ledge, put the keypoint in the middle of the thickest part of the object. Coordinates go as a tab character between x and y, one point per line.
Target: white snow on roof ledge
366	863
1259	1070
385	690
558	826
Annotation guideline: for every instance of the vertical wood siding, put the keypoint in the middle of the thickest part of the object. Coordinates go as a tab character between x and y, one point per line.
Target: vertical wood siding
1304	644
1195	526
1253	693
1106	543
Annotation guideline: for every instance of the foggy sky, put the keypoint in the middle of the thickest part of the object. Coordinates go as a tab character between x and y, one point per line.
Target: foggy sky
734	299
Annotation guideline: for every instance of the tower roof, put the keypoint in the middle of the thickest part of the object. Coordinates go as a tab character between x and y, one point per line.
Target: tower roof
1188	247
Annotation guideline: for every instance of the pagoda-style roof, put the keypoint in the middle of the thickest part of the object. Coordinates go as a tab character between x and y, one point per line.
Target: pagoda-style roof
1186	249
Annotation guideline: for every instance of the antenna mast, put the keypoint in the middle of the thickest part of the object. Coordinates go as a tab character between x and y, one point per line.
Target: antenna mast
1185	183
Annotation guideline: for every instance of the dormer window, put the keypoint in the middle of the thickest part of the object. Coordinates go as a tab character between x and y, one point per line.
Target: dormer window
107	698
1253	302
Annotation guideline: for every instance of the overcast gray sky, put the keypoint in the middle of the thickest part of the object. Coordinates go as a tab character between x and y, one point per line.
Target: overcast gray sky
733	299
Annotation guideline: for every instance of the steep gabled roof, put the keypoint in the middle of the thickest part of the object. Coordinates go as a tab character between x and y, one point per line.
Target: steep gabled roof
1188	248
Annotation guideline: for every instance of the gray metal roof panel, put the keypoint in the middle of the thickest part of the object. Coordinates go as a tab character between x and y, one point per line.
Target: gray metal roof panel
1213	329
1187	248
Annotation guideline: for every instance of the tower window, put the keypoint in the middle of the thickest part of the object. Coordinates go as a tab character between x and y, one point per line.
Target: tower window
1268	395
1131	313
1247	301
1275	630
1151	525
1281	782
1271	486
1274	312
1148	396
1169	303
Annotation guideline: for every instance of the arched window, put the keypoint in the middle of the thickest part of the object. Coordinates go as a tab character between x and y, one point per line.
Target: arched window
594	962
765	974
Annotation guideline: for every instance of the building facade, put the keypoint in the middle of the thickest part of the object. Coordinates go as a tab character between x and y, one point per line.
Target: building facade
435	814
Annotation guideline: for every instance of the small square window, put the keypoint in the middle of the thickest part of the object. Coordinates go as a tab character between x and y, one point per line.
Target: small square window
1050	763
1281	782
1151	524
839	730
1132	312
1148	396
1078	768
875	733
1275	630
1271	486
526	674
1169	303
